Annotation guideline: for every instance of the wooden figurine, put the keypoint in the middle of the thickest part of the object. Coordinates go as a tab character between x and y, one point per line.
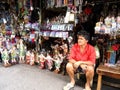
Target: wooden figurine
28	57
21	51
49	60
32	58
5	57
42	60
13	55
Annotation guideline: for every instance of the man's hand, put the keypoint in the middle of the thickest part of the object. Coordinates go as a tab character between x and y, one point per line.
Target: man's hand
81	64
77	64
84	66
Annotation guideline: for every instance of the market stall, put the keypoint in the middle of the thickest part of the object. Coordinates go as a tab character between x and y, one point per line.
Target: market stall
107	34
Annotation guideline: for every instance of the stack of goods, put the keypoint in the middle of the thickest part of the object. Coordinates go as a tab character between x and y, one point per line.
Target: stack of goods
110	25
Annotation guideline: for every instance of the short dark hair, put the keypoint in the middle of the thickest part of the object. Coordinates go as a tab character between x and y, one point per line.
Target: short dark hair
84	33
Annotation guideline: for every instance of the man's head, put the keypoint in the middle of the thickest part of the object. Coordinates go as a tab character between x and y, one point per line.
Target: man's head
83	33
83	37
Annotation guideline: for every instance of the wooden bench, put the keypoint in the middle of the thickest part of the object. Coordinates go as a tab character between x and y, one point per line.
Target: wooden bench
109	71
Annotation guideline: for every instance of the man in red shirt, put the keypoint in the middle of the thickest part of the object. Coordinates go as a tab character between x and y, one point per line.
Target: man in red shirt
81	55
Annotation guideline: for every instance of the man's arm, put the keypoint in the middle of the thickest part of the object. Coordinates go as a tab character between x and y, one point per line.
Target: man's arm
72	61
86	62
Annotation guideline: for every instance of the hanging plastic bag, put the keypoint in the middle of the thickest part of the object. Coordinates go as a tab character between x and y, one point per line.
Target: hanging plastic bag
97	52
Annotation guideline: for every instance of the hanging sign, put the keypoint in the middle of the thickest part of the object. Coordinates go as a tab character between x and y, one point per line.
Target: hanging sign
62	27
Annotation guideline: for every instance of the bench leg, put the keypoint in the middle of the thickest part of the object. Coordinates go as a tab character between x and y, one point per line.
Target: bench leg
91	82
78	76
99	82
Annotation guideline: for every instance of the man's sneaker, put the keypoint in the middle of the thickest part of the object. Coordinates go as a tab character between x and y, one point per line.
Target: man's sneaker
69	86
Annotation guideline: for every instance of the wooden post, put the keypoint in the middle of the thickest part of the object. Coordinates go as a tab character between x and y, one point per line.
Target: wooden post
78	75
99	82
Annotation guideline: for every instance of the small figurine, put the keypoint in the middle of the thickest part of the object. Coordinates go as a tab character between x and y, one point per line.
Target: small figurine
32	58
49	60
13	55
58	59
28	57
21	51
5	57
42	60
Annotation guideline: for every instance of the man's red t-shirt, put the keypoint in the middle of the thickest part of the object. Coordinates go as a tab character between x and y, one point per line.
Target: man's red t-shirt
87	55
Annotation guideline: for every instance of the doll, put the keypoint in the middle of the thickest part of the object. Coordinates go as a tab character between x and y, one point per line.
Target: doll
32	58
0	57
0	50
13	55
28	57
65	52
58	59
49	60
5	57
21	51
42	60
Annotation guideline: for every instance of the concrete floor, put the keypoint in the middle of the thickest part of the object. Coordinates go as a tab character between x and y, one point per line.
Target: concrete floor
26	77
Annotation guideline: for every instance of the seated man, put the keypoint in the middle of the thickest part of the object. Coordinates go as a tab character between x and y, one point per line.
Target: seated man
81	55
